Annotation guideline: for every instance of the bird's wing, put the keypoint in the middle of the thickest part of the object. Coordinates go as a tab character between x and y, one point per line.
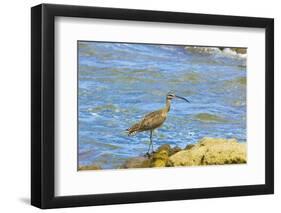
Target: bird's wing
152	114
143	125
152	120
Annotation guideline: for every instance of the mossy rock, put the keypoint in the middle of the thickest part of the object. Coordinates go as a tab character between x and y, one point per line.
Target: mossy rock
174	150
166	147
225	154
189	146
169	149
160	158
208	151
211	151
89	167
239	50
138	162
157	159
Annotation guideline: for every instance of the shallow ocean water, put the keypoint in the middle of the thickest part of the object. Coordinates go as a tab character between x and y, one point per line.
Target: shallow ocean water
119	83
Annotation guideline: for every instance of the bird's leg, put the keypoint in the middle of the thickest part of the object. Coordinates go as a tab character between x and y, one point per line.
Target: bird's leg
151	140
150	144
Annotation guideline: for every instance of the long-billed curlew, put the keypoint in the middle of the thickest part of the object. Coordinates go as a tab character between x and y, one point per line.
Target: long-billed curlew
154	119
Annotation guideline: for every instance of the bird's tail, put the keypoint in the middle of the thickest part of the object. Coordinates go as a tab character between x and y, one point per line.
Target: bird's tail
133	130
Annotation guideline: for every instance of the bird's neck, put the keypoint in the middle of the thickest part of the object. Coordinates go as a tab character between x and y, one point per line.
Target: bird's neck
168	105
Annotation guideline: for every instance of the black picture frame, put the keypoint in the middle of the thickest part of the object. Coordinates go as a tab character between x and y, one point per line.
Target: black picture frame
43	102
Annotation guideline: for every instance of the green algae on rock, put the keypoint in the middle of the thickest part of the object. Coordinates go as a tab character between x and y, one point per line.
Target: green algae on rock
161	156
207	117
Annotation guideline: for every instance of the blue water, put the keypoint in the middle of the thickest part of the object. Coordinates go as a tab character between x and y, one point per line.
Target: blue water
120	83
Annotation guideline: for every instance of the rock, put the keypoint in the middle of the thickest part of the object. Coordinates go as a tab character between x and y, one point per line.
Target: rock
137	162
211	50
208	151
169	149
239	50
202	50
160	158
211	151
174	150
89	167
166	147
190	157
189	146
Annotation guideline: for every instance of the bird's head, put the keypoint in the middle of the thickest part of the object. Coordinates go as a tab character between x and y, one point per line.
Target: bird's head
171	96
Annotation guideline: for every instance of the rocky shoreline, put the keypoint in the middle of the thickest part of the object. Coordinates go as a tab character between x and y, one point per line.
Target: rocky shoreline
210	50
208	151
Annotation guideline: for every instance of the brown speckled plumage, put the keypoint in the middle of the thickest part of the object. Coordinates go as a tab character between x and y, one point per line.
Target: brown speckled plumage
151	121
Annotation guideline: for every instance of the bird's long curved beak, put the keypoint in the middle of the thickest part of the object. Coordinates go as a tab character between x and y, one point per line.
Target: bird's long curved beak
182	98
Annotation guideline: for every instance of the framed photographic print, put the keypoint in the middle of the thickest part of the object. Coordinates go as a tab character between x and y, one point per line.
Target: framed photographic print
140	106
